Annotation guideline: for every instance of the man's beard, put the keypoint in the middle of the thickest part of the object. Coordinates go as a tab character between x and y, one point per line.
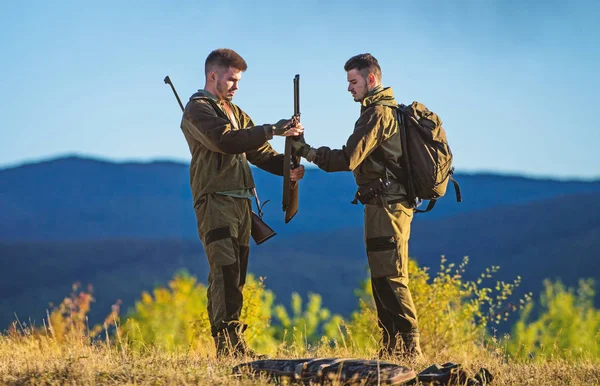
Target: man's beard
360	96
223	92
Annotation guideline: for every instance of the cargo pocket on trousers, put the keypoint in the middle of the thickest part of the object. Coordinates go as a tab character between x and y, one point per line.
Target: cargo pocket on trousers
220	248
400	207
383	256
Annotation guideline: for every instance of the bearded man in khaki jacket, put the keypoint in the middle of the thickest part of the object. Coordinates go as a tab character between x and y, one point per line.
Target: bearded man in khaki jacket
222	140
370	152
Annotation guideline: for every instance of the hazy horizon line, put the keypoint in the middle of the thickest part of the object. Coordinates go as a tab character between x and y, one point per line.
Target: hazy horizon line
183	161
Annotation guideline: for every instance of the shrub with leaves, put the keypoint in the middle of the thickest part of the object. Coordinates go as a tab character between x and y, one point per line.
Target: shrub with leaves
170	317
453	313
257	313
177	318
306	325
567	325
68	321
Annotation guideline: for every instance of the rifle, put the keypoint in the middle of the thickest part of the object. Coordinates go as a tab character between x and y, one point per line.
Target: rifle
259	231
290	188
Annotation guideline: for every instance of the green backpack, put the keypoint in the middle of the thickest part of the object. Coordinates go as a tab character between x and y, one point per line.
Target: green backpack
427	158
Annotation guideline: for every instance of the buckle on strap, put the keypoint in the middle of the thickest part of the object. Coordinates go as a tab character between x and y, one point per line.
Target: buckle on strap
373	189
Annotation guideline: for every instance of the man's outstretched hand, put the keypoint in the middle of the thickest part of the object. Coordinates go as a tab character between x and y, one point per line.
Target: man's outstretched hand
288	128
302	149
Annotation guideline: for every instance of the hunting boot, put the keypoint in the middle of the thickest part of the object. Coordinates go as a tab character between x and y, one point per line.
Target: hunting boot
411	345
230	342
402	346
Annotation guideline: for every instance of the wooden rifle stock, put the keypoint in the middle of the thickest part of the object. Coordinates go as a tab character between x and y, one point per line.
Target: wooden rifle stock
290	161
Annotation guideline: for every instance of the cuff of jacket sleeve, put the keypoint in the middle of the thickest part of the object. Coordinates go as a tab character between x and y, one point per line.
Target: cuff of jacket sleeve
310	156
269	131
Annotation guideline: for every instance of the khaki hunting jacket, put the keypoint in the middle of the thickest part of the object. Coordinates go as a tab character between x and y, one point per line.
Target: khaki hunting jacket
221	149
373	140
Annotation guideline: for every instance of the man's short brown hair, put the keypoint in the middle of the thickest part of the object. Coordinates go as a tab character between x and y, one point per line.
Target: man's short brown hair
225	58
366	64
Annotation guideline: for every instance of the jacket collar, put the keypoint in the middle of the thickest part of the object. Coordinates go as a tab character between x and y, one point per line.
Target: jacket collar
384	97
204	94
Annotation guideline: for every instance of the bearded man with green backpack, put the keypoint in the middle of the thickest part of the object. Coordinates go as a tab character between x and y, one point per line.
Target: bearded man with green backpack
399	156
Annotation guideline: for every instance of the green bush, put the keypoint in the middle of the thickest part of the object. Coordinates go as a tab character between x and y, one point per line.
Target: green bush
306	325
257	313
170	318
176	317
454	318
567	325
453	313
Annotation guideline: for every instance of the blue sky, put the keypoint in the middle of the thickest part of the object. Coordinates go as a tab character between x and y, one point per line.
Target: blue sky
516	83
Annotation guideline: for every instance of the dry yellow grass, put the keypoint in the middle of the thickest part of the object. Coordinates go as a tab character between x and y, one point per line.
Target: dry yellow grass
38	359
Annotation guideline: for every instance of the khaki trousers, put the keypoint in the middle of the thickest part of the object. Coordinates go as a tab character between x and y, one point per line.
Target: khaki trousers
387	230
224	225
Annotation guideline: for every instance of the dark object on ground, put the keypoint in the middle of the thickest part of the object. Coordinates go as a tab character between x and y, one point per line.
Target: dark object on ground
451	374
348	371
327	370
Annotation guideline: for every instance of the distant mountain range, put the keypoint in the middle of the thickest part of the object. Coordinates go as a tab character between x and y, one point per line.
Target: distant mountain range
125	227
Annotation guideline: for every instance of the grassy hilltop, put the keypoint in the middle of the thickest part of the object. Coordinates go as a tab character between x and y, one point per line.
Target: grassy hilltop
165	338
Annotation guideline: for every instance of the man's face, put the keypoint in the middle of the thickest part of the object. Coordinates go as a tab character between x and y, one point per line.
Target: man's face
357	85
227	83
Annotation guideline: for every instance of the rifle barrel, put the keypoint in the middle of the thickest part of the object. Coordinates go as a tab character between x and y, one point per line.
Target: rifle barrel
297	95
167	80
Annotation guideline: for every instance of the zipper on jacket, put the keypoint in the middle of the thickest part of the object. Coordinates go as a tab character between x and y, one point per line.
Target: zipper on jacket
219	161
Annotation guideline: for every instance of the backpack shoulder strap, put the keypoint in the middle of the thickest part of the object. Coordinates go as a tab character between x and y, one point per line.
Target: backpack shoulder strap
401	112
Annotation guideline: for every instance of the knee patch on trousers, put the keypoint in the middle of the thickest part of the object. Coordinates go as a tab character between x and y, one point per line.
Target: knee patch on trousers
217	234
387	300
232	295
382	253
220	248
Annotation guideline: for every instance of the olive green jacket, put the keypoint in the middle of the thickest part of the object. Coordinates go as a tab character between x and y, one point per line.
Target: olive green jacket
220	151
369	144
